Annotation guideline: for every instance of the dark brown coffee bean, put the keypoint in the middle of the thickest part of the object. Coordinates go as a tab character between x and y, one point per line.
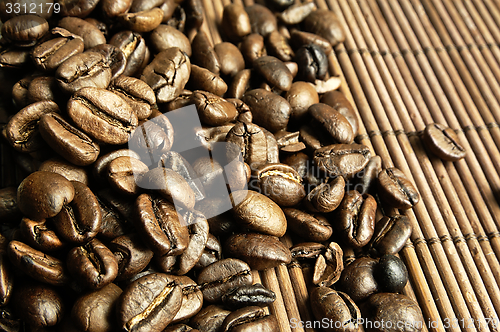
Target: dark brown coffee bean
111	9
312	63
335	123
310	227
116	213
160	226
251	295
149	304
213	110
297	13
281	183
20	90
132	255
396	189
43	194
325	23
248	319
307	250
192	298
133	46
274	71
210	319
100	167
252	142
339	102
391	274
82	70
336	307
22	129
66	169
167	74
102	114
68	141
269	110
204	54
77	8
358	279
240	84
25	30
259	251
216	279
262	20
204	79
91	35
165	36
258	213
342	159
44	88
301	96
37	264
38	305
50	54
277	45
113	57
443	142
230	58
397	311
289	142
194	15
124	174
143	21
300	38
235	22
152	139
93	264
9	209
391	234
14	57
252	47
137	94
327	196
357	218
328	266
211	253
370	174
95	311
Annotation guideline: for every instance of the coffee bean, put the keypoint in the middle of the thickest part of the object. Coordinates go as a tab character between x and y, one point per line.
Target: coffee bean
25	30
44	88
307	250
339	102
370	174
327	196
443	142
91	35
396	189
204	79
357	218
114	58
311	227
111	9
132	255
342	159
281	183
391	274
63	44
175	161
152	139
296	13
136	93
337	306
149	303
358	279
252	143
14	57
289	142
252	47
133	46
325	23
274	71
210	318
262	20
312	62
332	121
269	110
204	54
124	174
252	318
164	37
100	166
143	21
301	96
328	266
277	45
391	234
211	253
235	22
230	58
66	169
213	110
192	298
251	295
79	9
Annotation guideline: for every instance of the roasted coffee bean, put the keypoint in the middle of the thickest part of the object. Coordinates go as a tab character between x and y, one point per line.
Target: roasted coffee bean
443	142
230	58
328	266
358	279
88	69
391	234
67	141
342	159
165	36
117	213
102	115
14	57
240	84
204	54
167	74
43	194
301	96
9	209
327	196
44	88
192	298
274	71
251	295
235	22
149	304
152	139
140	5
91	35
302	38
281	183
262	20
252	47
213	110
325	23
160	226
178	17
249	319
272	147
170	185
136	93
20	91
77	8
204	79
312	62
6	279
210	318
66	169
93	264
22	129
332	121
175	161
339	102
143	21
50	54
25	30
394	310
217	279
313	138
296	13
38	305
259	251
391	274
396	189
311	227
132	255
111	9
99	25
37	264
269	110
100	167
133	46
95	311
194	15
124	174
357	218
370	174
258	213
277	45
307	250
113	57
289	142
337	306
252	142
211	253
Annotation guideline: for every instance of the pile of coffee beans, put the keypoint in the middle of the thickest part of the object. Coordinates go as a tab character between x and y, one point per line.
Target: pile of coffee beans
161	169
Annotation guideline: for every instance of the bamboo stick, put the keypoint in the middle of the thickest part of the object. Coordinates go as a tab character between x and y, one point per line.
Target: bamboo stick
277	308
486	17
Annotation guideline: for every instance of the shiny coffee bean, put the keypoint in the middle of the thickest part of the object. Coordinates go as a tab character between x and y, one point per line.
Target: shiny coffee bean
14	57
311	227
281	183
296	13
113	57
333	122
100	166
289	142
328	266
143	21
339	102
269	110
20	91
25	30
259	251
357	218
301	96
327	196
124	173
235	22
132	255
204	79
370	174
192	298
77	8
391	274
277	45
217	279
251	295
152	139
312	62
66	169
358	279
136	93
247	319
212	109
230	58
210	318
258	213
95	311
274	71
149	304
111	9
396	189
325	23
37	264
204	54
262	20
342	159
133	46
116	214
91	35
51	53
307	250
43	194
443	142
102	115
337	306
44	88
252	142
391	234
252	47
165	36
